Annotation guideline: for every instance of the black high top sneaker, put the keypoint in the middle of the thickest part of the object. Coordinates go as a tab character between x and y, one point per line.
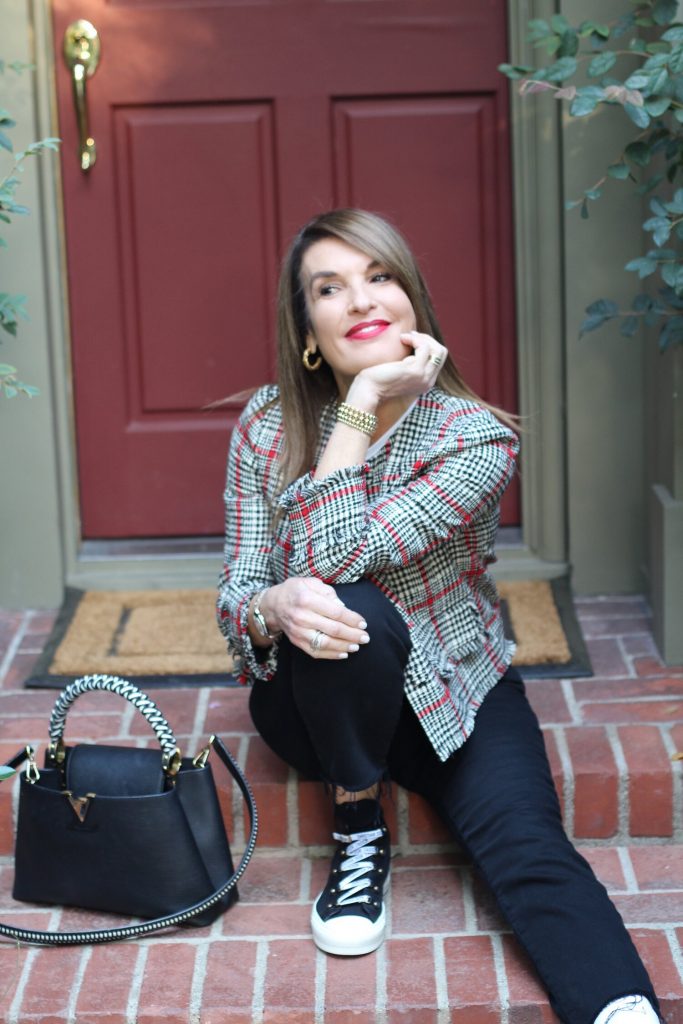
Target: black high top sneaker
348	917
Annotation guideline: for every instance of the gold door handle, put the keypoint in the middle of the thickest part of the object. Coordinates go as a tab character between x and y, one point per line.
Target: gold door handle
82	55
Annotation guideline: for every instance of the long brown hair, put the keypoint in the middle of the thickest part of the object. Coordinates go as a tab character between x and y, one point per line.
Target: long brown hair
304	394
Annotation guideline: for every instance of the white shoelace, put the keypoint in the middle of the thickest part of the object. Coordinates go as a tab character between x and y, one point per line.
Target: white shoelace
355	866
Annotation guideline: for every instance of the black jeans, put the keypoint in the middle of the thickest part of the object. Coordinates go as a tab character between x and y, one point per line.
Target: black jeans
348	722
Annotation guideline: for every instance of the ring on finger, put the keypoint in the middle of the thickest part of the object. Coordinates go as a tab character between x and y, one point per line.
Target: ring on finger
317	640
437	360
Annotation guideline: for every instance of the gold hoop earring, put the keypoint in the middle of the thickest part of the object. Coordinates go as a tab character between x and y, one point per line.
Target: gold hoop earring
306	360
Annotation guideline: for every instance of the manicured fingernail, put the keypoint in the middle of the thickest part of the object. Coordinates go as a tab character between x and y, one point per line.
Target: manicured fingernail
354	647
343	654
364	638
362	624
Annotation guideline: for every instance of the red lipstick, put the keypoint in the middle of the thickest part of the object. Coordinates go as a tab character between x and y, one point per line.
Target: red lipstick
367	329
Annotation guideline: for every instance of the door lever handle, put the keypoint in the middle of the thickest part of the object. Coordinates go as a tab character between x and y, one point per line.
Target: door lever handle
81	56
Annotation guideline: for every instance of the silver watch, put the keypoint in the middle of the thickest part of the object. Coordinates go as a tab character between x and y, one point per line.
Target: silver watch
260	620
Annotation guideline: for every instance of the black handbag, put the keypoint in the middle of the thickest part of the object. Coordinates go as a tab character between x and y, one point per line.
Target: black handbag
123	829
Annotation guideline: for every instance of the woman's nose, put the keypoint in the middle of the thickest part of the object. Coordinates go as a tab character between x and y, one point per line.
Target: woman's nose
360	298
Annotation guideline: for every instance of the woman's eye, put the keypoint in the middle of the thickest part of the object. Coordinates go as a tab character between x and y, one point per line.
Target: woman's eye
327	289
384	275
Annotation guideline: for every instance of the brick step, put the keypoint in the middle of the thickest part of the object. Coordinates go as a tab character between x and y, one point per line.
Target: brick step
449	957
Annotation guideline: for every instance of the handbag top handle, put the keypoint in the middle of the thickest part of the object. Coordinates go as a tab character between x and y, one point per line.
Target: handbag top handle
170	760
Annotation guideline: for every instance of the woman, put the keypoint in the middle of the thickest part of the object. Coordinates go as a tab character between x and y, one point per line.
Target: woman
361	510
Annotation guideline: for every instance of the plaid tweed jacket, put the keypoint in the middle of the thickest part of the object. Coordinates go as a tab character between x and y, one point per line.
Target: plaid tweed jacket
418	519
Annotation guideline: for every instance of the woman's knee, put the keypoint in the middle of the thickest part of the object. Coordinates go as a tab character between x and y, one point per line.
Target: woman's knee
384	622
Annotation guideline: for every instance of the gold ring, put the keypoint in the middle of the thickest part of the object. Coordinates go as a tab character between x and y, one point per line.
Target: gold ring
317	640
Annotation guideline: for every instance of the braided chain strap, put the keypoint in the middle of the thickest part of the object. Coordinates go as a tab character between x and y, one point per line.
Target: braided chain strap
121	687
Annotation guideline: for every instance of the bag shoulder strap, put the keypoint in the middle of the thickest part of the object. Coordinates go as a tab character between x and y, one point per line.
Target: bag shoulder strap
135	931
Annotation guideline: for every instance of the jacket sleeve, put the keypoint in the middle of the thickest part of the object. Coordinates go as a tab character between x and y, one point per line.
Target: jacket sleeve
340	534
246	561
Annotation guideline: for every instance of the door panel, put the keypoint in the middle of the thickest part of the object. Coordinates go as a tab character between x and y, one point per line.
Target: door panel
222	126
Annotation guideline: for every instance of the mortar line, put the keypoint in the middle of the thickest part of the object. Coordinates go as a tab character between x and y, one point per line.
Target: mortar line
86	953
676	951
441	981
13	646
623	801
677	780
572	703
501	978
260	967
135	989
320	982
198	978
568	772
381	985
628	869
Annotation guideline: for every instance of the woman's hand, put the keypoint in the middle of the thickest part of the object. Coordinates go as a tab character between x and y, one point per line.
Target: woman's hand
302	607
411	376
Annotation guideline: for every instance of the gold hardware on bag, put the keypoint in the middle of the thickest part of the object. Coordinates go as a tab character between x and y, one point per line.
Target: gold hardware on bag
80	805
32	773
171	763
57	752
203	756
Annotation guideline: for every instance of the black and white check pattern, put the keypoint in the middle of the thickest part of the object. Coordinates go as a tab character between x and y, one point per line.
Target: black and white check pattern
418	519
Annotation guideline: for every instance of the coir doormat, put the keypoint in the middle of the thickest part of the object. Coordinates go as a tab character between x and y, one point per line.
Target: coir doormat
170	637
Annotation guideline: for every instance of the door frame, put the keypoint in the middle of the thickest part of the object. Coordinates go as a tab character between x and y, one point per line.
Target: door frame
541	550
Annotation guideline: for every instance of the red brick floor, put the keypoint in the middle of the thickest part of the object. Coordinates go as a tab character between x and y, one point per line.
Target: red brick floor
449	957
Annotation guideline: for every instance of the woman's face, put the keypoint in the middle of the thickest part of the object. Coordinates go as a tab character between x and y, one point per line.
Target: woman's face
357	310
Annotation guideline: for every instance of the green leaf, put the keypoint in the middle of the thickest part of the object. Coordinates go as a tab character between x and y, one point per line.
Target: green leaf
586	100
561	69
513	71
538	29
601	64
587	28
584	210
637	81
638	153
603	307
678	114
6	772
657	48
676	60
675	205
660	228
6	370
638	115
6	142
673	35
658	207
569	46
629	326
620	171
658	82
559	23
644	22
644	266
569	204
661	254
669	273
656	107
593	193
665	11
10	390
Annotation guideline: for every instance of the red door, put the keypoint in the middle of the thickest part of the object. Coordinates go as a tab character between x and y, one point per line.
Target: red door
220	127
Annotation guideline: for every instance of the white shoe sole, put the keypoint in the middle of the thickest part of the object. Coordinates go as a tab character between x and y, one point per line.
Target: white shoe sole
348	935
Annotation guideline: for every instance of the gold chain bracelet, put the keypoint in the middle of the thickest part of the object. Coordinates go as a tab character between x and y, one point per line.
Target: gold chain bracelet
359	419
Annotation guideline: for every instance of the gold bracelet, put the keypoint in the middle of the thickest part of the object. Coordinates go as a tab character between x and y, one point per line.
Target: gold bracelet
359	419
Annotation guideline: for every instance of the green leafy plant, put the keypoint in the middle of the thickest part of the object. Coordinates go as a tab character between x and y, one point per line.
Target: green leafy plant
651	97
13	307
